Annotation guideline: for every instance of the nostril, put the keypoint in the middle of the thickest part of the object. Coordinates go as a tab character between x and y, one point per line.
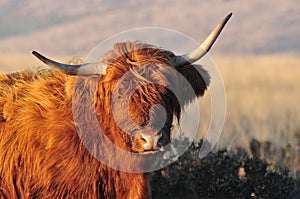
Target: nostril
160	136
159	140
145	138
147	141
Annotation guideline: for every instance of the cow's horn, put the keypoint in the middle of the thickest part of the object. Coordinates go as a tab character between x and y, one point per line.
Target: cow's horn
80	69
201	50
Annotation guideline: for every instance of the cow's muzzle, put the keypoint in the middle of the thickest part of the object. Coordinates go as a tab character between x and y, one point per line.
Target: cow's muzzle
149	140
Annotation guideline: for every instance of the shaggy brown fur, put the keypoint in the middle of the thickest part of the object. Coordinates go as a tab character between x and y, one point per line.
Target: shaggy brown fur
41	154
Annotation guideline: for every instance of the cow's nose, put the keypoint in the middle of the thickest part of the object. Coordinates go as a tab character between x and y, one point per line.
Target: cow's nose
151	142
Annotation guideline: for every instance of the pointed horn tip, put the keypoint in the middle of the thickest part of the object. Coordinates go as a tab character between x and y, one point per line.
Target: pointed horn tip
34	53
226	18
38	55
229	15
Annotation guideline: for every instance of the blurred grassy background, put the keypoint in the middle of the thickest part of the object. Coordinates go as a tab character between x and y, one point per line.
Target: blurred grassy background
263	103
263	98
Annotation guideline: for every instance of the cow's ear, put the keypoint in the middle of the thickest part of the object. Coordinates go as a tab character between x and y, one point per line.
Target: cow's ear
198	78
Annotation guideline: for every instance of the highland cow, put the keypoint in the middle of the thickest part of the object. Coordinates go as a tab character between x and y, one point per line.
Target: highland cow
41	153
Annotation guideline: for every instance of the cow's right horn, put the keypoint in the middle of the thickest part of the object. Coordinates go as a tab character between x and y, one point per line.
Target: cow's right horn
80	69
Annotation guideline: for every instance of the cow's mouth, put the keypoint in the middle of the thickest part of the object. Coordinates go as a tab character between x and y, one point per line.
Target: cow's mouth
153	151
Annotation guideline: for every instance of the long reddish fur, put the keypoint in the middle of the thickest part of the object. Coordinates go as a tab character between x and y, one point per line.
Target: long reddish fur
41	154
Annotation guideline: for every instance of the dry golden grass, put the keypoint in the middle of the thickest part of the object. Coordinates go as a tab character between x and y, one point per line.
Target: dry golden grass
263	102
263	98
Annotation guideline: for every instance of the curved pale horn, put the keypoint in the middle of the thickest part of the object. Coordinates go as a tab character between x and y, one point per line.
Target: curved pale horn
85	69
200	51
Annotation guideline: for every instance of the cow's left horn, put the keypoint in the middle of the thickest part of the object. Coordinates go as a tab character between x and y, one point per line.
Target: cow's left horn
201	50
85	69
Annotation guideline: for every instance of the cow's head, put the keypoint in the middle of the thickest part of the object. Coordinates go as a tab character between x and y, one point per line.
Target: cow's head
137	90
